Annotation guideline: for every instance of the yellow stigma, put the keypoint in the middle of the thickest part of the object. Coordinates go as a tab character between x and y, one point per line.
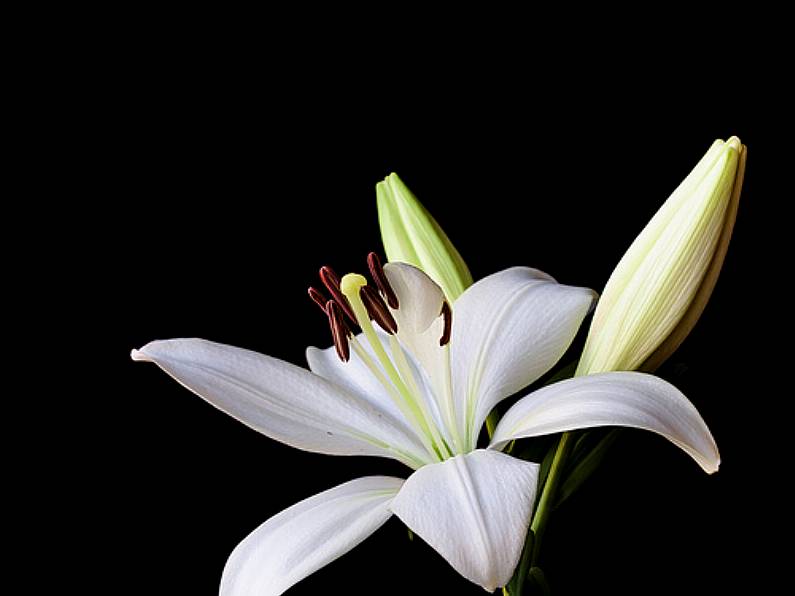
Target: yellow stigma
351	284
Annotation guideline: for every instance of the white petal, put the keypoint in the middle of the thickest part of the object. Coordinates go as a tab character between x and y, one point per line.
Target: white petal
418	316
353	375
629	399
508	330
310	534
474	509
420	299
357	378
283	401
420	329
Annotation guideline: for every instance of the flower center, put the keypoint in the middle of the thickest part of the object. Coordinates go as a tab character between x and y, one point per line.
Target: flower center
353	298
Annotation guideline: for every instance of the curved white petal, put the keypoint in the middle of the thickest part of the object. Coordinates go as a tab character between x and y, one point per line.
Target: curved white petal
420	329
356	377
353	375
474	509
631	399
283	401
508	330
418	316
300	540
419	298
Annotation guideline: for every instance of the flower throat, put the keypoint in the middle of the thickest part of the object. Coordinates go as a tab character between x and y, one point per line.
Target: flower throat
353	305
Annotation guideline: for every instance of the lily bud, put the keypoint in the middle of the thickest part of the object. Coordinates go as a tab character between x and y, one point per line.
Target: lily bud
662	283
411	235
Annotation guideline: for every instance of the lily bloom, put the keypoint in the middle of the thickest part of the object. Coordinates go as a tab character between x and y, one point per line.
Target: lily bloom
418	390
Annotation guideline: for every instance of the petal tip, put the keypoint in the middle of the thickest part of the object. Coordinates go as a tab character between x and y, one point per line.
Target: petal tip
594	300
139	356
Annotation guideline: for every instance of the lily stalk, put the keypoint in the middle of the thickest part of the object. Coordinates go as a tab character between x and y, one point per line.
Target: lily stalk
658	290
411	235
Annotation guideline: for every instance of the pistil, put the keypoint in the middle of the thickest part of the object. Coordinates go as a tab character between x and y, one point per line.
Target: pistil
351	286
355	303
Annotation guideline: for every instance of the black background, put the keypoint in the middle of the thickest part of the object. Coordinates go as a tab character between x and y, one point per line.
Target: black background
225	182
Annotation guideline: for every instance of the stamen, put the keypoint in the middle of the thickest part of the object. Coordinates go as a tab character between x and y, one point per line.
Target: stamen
448	324
352	286
318	298
339	330
377	310
380	279
332	283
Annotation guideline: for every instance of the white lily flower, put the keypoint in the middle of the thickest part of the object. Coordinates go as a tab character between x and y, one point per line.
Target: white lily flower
419	393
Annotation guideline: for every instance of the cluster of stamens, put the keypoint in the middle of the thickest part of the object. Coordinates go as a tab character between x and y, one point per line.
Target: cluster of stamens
341	316
353	305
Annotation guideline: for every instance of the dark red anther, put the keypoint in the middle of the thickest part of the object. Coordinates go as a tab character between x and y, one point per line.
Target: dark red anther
448	324
332	283
380	279
318	298
339	330
377	309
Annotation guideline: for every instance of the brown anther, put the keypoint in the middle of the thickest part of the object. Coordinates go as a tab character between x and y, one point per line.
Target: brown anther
377	309
448	323
339	330
318	298
380	279
332	283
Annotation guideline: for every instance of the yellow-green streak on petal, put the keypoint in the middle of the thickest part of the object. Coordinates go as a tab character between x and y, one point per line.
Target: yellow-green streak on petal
411	235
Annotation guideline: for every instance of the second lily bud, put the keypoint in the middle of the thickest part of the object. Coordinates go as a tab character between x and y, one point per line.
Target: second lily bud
661	285
411	235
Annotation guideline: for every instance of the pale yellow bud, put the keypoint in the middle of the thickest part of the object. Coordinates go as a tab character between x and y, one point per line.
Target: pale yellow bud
659	288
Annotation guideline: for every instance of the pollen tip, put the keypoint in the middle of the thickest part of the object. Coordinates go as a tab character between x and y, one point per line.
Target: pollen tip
448	323
381	280
329	277
377	310
332	282
317	297
339	330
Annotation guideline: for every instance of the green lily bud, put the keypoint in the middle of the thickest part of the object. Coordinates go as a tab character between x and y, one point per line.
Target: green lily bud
411	235
662	283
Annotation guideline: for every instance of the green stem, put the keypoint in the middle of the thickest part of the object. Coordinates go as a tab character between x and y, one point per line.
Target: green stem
547	501
517	585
